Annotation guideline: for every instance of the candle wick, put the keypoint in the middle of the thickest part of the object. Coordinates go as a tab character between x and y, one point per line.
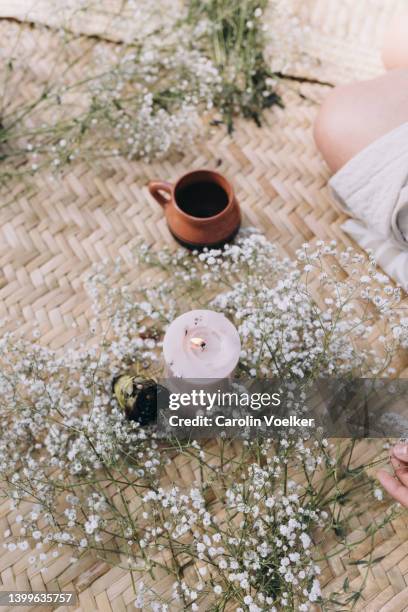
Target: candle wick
198	343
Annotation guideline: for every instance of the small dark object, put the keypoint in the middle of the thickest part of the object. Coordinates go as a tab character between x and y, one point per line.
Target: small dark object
137	396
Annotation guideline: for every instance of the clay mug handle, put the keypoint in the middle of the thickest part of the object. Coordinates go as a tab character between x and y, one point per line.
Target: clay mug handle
156	188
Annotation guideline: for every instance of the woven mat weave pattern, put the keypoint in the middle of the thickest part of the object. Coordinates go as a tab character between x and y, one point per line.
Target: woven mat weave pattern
53	230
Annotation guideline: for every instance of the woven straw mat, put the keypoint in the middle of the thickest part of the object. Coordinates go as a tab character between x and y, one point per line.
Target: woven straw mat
53	230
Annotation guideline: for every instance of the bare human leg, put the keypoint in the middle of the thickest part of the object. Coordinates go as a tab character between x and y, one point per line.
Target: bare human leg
354	115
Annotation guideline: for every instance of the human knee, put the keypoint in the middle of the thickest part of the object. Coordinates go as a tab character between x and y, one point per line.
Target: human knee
332	126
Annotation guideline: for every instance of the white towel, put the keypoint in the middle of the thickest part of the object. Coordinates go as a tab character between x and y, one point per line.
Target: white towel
373	188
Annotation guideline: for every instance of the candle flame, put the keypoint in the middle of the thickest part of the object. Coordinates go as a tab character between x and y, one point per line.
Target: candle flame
198	343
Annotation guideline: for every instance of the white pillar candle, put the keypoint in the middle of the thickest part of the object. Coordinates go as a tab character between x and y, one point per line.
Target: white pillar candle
201	344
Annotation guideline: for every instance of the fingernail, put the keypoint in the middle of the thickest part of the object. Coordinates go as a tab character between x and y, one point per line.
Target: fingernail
401	451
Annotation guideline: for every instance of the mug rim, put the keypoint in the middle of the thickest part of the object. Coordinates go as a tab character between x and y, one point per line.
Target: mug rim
224	184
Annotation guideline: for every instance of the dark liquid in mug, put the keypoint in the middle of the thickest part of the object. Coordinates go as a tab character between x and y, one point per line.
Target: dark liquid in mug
202	199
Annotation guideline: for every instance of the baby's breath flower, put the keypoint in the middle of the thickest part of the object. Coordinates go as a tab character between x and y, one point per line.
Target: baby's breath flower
98	477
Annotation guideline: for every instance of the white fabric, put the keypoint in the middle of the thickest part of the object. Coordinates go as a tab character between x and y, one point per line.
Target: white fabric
373	188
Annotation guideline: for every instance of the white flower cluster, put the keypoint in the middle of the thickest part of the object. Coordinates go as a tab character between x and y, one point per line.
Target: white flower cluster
92	477
141	98
151	100
256	550
273	301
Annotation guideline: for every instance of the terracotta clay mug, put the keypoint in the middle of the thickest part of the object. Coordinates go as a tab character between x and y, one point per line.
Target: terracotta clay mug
201	208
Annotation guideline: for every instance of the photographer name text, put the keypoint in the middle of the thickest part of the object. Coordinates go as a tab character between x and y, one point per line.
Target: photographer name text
245	421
